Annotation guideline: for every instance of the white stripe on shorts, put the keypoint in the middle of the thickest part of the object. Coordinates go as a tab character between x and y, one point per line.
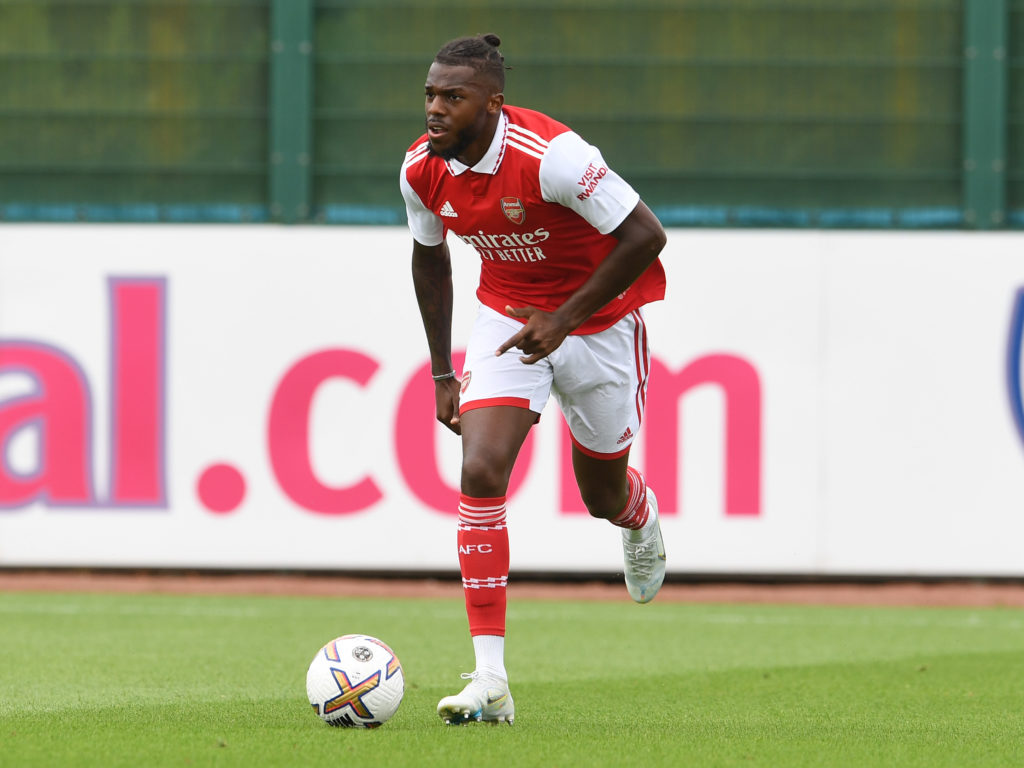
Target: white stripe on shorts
643	363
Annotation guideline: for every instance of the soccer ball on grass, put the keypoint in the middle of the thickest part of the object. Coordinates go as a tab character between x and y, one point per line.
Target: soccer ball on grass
355	681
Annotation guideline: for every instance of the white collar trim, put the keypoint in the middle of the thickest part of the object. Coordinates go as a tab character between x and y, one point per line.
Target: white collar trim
491	160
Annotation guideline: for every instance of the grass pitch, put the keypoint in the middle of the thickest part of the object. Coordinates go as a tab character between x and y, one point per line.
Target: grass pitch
167	680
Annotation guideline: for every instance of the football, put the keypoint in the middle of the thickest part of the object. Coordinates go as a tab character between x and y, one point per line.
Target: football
355	681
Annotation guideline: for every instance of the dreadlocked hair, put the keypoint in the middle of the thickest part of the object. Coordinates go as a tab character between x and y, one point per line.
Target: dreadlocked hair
479	52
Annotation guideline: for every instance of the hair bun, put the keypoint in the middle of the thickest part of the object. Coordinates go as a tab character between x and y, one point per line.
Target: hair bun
491	39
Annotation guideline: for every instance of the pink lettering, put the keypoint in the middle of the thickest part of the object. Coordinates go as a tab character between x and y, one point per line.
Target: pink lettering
742	388
288	433
662	429
137	391
59	409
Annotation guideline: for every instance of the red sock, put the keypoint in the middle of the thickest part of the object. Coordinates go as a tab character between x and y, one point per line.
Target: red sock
634	516
483	560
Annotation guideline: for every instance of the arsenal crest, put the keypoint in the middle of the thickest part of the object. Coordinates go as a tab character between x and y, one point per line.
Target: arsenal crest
513	209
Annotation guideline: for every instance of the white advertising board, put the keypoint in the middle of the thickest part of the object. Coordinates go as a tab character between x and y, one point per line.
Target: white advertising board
258	397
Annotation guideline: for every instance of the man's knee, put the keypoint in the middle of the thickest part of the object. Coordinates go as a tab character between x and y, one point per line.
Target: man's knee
484	477
604	501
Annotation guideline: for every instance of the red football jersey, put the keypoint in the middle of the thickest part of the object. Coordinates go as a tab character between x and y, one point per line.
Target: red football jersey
538	208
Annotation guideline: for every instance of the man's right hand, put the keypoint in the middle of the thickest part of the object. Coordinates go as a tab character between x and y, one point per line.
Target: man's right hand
446	400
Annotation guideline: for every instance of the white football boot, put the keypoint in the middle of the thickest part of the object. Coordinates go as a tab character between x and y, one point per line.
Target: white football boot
486	699
644	555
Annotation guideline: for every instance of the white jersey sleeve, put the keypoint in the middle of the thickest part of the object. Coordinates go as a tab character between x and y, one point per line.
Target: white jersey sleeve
425	225
574	174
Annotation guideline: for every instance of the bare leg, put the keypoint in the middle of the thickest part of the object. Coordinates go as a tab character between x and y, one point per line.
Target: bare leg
616	492
491	439
603	485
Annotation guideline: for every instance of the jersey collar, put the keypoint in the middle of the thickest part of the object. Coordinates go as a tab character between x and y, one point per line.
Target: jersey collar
491	160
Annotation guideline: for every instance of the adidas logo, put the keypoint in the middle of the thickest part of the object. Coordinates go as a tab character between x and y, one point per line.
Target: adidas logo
625	436
447	210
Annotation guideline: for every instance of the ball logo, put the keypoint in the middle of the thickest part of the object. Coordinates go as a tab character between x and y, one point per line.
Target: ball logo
513	209
362	653
351	694
1014	361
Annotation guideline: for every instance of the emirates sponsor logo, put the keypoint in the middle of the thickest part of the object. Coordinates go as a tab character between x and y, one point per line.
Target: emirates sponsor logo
513	209
516	246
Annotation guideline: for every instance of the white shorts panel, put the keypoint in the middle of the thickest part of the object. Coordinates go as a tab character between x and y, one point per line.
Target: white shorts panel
599	380
488	379
601	386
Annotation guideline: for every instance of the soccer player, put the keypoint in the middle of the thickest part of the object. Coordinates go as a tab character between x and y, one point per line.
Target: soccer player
569	256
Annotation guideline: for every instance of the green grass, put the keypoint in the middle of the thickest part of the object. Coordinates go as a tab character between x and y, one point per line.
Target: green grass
165	680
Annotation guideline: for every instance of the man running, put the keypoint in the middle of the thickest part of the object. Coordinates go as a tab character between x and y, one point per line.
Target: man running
569	256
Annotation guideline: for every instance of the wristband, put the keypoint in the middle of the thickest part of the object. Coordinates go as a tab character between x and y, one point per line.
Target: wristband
443	376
